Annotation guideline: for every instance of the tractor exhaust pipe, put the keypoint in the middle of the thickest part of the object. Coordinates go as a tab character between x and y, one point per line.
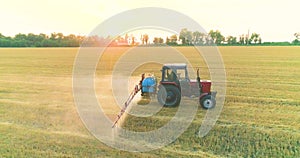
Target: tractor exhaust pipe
198	80
198	76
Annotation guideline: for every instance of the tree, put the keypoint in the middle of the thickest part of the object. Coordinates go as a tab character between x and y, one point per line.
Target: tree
198	38
297	40
145	39
231	40
255	40
33	40
132	40
161	41
254	37
126	38
158	40
20	37
242	39
208	40
60	36
247	40
186	36
173	38
297	35
43	36
53	36
234	41
216	36
70	40
167	40
20	40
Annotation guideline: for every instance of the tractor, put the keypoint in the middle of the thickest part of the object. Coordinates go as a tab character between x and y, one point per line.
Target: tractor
175	83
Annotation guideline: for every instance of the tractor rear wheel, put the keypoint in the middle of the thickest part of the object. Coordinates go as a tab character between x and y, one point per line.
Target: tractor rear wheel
169	96
208	102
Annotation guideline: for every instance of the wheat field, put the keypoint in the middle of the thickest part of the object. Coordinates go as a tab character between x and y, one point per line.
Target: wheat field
260	117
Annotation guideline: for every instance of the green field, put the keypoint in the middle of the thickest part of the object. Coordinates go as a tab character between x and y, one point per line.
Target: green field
260	118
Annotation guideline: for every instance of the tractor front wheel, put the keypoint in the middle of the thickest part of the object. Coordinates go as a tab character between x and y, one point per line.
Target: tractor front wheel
169	96
208	102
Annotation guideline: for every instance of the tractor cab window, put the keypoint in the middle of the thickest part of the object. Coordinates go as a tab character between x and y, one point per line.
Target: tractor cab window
181	75
174	74
169	75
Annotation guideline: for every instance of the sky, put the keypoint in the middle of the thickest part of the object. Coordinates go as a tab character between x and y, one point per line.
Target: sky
274	20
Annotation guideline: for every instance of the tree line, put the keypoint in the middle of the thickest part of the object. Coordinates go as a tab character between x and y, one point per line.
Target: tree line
54	40
215	37
185	38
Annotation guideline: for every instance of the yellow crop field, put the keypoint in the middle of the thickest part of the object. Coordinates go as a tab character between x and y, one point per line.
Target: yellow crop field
260	117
